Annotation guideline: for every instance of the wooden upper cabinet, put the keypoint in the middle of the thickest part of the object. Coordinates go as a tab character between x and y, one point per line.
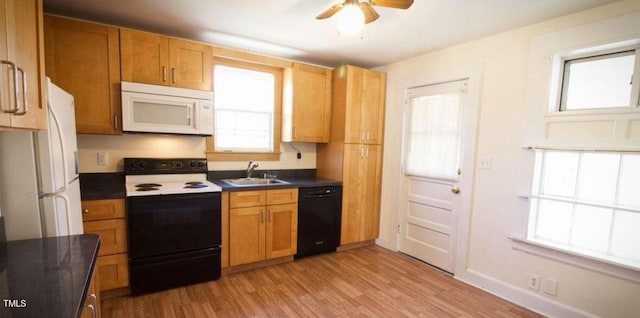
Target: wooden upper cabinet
364	105
307	107
155	59
144	57
84	59
22	99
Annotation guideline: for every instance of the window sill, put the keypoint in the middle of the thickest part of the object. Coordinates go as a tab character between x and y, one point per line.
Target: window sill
242	156
572	258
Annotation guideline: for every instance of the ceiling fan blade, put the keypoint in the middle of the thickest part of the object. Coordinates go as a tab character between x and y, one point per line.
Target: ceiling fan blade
370	14
330	12
398	4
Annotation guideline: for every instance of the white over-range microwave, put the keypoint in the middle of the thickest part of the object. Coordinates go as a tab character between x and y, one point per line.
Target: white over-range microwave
166	110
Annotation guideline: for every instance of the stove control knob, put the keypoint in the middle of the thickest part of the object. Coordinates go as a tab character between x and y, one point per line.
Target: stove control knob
193	164
200	164
141	165
177	164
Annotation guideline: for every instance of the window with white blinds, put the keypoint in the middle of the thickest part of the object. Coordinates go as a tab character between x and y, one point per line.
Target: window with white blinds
588	203
244	109
434	135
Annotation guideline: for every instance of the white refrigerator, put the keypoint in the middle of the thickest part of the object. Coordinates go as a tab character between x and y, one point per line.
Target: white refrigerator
39	186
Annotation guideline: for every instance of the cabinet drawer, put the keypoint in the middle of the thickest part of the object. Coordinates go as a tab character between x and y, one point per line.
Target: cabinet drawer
282	196
243	199
102	209
113	235
113	271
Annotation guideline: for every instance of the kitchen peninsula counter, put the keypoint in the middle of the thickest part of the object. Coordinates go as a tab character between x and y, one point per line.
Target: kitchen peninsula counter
46	277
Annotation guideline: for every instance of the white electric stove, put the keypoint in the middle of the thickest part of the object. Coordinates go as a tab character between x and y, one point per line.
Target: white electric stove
148	177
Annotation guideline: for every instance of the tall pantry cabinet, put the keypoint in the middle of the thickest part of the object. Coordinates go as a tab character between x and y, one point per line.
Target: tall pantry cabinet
354	152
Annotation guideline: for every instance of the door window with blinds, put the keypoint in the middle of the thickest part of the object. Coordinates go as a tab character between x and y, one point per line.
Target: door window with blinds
245	101
434	130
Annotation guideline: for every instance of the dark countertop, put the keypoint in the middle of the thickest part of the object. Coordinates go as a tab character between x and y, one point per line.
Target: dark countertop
292	183
97	186
111	185
48	277
295	178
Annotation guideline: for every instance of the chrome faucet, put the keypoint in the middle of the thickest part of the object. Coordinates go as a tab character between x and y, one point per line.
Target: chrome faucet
250	167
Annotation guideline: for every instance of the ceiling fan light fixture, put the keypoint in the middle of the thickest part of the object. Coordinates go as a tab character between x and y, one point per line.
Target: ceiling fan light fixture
350	20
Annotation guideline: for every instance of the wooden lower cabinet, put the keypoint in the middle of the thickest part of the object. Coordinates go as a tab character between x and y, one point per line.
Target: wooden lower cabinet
361	193
91	307
262	231
113	271
107	219
282	230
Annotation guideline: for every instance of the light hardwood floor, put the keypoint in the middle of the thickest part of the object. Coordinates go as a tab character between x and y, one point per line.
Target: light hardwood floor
364	282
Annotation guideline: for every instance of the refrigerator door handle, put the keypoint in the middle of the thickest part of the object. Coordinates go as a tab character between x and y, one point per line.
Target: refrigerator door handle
63	147
66	210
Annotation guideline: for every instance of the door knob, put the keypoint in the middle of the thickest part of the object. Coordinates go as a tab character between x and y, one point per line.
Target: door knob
455	190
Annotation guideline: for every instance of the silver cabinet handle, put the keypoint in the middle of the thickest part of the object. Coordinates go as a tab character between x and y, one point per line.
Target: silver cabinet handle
361	135
93	311
24	93
455	190
295	133
173	75
261	216
366	153
367	136
115	121
164	73
15	86
269	211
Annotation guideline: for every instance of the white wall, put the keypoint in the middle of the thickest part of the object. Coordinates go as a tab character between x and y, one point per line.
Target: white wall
491	262
162	146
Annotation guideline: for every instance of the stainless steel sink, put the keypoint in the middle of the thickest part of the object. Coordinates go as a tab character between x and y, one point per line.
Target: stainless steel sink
245	182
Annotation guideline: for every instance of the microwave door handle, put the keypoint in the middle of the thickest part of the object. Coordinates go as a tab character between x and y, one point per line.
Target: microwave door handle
190	111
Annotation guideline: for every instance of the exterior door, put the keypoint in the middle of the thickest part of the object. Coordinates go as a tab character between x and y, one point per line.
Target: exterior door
432	166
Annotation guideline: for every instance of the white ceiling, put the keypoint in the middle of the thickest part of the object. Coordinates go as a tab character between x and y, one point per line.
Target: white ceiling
288	28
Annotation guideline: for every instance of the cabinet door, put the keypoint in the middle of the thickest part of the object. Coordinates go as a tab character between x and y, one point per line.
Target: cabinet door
113	235
144	57
282	230
352	185
190	64
113	271
372	106
5	118
25	48
93	297
370	192
93	210
84	59
22	44
353	130
311	103
246	235
361	193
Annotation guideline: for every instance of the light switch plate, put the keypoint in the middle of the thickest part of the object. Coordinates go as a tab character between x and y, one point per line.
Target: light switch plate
550	286
485	162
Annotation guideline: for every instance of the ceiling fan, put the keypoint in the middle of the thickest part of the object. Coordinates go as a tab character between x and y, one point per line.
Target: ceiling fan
366	7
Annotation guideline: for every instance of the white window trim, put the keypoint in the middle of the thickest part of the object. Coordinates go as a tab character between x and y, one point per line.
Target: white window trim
557	74
576	259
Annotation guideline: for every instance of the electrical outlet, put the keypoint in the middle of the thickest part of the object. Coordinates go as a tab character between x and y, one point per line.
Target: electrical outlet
103	159
534	281
550	286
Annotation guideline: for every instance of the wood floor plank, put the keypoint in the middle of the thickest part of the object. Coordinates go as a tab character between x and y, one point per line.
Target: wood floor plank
363	282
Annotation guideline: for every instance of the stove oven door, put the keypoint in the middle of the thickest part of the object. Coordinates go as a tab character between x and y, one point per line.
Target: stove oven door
167	224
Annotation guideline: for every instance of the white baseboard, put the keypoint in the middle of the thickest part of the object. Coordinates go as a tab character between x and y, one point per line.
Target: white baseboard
386	244
532	301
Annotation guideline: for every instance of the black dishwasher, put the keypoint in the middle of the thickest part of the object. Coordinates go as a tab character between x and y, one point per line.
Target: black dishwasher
319	218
